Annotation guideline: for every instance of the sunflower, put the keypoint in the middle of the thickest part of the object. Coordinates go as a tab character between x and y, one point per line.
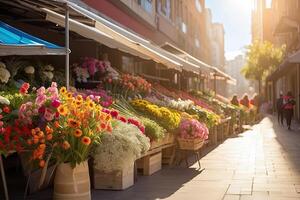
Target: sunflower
62	110
63	90
86	140
69	95
78	103
77	133
91	104
73	123
79	98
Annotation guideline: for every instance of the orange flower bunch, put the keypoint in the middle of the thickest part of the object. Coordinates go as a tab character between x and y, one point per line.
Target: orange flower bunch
135	83
72	135
79	126
38	142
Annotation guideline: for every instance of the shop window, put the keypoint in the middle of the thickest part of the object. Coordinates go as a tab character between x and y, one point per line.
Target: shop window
146	5
128	64
164	8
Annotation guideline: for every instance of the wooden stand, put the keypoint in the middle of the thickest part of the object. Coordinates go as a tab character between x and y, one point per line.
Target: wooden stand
150	163
115	180
213	137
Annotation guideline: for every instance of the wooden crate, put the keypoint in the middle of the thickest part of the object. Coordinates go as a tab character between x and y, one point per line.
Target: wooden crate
213	137
150	164
115	180
168	155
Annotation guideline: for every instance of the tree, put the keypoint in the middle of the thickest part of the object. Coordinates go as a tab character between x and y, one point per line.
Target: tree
262	58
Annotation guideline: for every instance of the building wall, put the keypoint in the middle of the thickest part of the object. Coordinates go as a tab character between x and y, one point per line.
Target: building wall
233	68
180	22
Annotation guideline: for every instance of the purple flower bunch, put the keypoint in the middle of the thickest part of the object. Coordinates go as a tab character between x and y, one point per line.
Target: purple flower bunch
99	96
193	129
94	65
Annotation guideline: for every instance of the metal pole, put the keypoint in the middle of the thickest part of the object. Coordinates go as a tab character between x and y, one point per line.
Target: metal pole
215	84
3	179
67	47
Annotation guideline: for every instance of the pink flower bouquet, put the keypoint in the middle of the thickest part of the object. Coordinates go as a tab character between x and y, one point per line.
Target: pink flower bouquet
192	129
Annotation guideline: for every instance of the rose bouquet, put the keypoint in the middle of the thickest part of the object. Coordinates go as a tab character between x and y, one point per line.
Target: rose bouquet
192	129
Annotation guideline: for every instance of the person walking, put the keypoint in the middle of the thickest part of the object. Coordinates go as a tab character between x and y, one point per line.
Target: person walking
288	107
280	110
235	100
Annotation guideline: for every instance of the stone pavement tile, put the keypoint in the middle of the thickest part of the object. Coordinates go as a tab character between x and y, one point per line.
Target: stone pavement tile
231	197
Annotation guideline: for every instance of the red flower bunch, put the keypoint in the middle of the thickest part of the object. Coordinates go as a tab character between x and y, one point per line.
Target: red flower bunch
135	83
12	137
24	88
115	115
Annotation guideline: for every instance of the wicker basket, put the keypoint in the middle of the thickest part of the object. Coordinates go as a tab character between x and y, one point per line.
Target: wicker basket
190	144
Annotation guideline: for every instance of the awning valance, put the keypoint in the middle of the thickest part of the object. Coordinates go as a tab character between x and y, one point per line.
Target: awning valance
114	36
16	42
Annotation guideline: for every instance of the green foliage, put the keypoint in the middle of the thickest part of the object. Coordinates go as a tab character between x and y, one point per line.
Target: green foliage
152	129
14	97
262	58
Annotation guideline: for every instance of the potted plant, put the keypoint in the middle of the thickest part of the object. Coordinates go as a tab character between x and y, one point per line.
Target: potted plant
79	127
73	126
192	134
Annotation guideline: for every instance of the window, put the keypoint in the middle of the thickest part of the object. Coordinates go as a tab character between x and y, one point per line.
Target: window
198	6
164	8
146	5
183	27
197	43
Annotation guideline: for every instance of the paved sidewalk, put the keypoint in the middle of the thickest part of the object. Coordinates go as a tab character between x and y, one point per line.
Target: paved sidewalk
260	164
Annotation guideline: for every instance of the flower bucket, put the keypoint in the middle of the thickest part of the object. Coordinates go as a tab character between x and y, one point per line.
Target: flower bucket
72	183
190	144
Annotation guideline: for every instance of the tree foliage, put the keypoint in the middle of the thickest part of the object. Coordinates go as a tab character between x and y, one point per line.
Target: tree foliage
262	58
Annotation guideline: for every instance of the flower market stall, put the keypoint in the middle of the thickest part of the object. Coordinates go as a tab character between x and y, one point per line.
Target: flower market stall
110	125
125	116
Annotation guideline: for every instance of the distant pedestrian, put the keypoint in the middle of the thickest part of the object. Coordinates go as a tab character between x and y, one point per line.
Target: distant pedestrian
235	100
245	101
288	107
279	108
256	101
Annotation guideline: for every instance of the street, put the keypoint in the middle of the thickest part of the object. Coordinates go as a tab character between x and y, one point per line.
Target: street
260	164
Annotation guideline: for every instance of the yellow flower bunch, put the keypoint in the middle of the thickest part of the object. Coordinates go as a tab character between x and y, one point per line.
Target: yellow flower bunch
167	118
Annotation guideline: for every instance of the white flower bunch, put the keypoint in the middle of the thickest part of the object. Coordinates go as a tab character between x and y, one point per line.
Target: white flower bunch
82	74
4	73
120	148
4	101
29	70
181	105
49	75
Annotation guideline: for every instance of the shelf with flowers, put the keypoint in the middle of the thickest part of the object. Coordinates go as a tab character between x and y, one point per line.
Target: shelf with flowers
127	86
62	129
157	134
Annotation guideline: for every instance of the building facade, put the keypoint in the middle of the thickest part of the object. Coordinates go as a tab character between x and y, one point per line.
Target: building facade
181	23
233	68
282	22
